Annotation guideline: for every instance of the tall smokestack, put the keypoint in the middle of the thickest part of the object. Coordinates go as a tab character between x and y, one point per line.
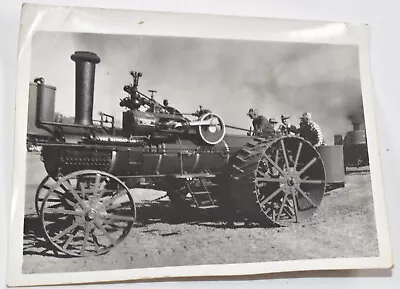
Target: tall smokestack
84	86
357	119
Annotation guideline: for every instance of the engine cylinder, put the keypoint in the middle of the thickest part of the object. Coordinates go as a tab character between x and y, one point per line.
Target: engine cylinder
84	86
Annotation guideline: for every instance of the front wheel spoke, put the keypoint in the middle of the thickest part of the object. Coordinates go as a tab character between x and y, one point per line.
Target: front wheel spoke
288	209
85	238
97	182
310	163
96	187
60	201
272	180
46	187
95	242
76	196
113	224
58	192
65	188
56	203
70	239
271	196
64	232
104	231
284	153
69	202
118	206
83	189
117	217
305	196
317	182
101	192
65	212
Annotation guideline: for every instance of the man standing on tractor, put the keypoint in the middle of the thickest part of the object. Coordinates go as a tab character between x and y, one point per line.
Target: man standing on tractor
261	125
274	123
310	130
286	128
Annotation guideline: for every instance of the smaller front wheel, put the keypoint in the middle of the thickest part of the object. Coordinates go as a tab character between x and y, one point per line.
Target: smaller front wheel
42	191
90	212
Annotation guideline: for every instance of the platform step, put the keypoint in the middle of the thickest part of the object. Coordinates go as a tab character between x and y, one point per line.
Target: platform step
249	152
208	207
237	168
201	193
185	176
241	159
252	143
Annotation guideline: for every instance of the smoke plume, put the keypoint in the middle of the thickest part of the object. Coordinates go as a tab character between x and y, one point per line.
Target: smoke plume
225	76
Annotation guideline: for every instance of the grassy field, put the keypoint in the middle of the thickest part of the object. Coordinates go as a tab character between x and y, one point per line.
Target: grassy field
344	226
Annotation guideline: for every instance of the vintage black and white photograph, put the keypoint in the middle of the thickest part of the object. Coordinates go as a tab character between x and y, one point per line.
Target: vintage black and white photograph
150	151
163	151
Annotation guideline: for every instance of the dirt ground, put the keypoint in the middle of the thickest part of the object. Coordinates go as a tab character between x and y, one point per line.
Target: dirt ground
343	226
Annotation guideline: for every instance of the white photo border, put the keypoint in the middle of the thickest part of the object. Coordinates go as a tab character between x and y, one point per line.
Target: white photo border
106	21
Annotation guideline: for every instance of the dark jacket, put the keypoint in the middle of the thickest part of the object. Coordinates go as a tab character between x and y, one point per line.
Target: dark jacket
262	126
312	133
288	129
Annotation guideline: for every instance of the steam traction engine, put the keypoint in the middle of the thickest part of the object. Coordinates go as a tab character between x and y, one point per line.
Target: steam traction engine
85	202
355	148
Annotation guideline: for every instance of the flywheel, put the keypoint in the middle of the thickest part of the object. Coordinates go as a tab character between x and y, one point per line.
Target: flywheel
213	129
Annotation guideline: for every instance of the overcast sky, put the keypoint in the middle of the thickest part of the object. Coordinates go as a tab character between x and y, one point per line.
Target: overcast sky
225	76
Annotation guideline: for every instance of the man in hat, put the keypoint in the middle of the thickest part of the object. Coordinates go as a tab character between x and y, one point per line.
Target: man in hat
261	125
310	130
274	123
287	128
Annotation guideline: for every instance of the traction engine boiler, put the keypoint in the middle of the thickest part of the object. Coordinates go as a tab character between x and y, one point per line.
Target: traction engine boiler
86	205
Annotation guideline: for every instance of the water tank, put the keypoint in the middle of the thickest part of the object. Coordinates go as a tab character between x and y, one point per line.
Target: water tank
332	156
40	106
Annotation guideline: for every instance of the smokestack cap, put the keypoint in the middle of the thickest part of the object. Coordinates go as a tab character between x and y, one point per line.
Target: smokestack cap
85	56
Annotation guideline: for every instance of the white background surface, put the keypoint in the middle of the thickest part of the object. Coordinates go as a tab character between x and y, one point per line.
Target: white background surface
382	16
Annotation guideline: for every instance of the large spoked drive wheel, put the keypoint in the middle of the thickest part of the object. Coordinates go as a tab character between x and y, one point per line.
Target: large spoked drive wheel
90	212
284	179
